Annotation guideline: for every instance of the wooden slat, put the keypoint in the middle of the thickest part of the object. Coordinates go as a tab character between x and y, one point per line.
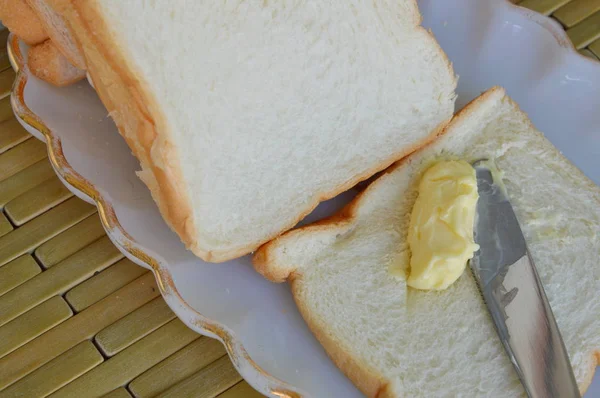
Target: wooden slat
7	77
36	201
595	48
207	383
6	111
588	53
99	286
118	393
4	61
69	242
177	367
56	373
76	329
21	157
12	134
134	326
241	390
130	362
5	225
585	32
24	181
545	7
58	279
576	11
42	228
33	323
16	272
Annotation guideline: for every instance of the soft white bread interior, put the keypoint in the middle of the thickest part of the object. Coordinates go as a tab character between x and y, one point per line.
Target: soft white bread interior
347	276
245	115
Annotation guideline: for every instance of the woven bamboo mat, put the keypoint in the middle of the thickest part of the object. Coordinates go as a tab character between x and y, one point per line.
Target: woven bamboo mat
78	319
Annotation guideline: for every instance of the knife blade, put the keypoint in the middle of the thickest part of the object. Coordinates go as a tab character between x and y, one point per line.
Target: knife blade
514	295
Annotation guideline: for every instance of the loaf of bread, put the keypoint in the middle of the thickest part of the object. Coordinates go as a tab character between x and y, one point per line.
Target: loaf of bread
348	273
244	117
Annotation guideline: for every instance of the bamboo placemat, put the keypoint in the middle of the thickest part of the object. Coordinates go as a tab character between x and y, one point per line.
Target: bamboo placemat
76	317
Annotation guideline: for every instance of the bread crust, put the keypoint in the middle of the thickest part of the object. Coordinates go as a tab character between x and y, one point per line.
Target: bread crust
135	112
142	123
367	380
74	57
47	63
266	263
21	20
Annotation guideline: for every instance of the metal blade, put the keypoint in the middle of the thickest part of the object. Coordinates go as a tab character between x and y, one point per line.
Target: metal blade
514	295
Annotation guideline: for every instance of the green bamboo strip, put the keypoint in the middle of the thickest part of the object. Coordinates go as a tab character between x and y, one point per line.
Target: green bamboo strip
56	373
70	241
58	279
118	393
595	48
33	323
76	329
585	32
5	225
4	61
130	362
545	7
576	11
241	390
588	54
12	134
42	228
7	77
20	157
177	367
134	326
25	180
208	382
6	111
36	201
16	272
99	286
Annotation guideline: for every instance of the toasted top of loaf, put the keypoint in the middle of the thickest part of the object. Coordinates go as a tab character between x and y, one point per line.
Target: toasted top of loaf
245	116
347	273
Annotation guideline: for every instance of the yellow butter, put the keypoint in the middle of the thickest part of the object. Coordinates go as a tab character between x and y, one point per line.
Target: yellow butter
440	234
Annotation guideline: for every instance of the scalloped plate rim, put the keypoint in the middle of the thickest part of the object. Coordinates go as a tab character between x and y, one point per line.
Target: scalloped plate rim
252	372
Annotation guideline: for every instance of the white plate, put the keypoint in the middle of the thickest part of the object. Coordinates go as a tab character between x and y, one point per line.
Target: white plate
490	43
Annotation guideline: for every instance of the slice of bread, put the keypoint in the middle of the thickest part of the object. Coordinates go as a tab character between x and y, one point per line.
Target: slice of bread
245	115
347	273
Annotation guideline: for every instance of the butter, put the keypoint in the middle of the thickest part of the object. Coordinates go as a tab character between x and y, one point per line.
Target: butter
440	234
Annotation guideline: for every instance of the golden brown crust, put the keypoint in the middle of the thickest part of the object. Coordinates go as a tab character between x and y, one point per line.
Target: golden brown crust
70	52
135	112
46	62
20	19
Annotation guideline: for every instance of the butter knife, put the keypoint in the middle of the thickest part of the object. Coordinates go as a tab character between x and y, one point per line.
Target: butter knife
513	293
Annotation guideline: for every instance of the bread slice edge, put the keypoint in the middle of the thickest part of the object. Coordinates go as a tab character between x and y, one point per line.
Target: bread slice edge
269	261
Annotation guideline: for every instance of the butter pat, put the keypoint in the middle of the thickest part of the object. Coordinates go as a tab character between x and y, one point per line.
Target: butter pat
440	233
